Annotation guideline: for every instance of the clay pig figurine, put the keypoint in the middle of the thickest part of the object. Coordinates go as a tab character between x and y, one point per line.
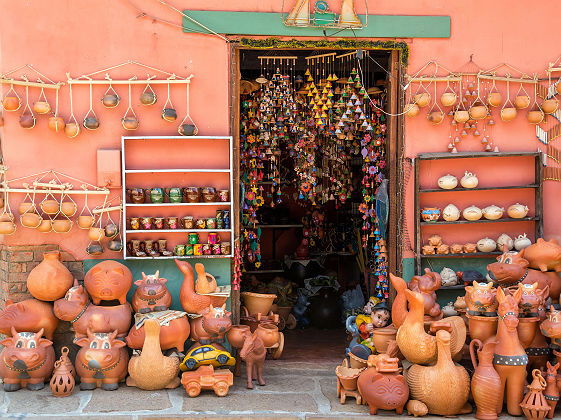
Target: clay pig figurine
28	360
212	326
427	284
481	299
108	280
532	300
551	326
544	255
172	335
102	361
76	308
151	294
28	315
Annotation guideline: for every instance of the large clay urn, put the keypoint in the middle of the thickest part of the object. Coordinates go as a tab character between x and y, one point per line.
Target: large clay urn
50	280
486	382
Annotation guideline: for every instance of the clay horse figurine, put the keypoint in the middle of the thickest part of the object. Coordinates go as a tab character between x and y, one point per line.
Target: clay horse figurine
253	353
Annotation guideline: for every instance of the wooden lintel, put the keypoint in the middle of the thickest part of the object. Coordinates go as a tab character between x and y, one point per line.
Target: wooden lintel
31	84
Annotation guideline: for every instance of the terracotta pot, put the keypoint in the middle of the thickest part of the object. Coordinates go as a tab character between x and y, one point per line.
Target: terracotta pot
111	230
50	206
115	245
46	226
527	328
448	98
169	114
236	335
478	112
436	117
62	383
382	336
31	220
495	99
41	107
258	303
68	208
461	116
50	279
91	123
94	249
148	98
85	222
110	100
422	99
522	101
25	207
269	333
11	103
357	362
482	327
486	382
187	130
130	123
412	110
56	124
96	233
27	121
549	106
535	117
348	377
72	129
508	114
7	228
62	225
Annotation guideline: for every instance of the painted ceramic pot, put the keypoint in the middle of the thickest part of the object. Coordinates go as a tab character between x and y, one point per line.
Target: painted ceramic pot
56	124
209	194
486	245
522	242
148	98
130	123
174	195
91	123
447	182
42	107
430	214
517	211
493	212
111	230
223	196
172	222
191	195
137	195
472	213
450	213
156	195
504	240
158	222
51	279
188	222
110	100
469	180
135	223
115	245
187	130
146	223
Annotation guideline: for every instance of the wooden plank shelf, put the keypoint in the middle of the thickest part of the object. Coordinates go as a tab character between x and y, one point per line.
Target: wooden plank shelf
464	254
179	257
511	187
471	155
176	230
464	222
220	203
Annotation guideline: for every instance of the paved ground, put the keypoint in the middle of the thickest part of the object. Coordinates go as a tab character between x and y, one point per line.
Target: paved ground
294	390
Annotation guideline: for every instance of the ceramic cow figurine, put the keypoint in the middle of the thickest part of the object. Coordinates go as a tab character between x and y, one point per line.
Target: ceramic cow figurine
151	294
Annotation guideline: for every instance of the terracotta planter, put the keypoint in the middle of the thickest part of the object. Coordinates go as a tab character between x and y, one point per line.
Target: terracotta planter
236	335
169	114
50	279
448	98
436	117
96	234
412	110
56	124
62	225
486	382
357	362
258	303
11	103
110	100
46	226
482	327
41	107
71	129
508	114
85	222
549	106
527	328
50	206
68	208
187	130
535	117
91	123
382	336
495	99
522	101
269	333
31	220
348	377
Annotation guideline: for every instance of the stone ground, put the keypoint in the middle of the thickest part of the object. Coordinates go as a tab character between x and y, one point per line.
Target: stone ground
294	391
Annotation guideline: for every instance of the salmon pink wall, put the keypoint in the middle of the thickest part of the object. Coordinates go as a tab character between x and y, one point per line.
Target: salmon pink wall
80	37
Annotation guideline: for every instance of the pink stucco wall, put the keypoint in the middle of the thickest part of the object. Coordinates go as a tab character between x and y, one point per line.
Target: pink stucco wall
80	37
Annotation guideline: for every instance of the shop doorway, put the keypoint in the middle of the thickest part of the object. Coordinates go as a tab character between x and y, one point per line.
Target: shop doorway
318	160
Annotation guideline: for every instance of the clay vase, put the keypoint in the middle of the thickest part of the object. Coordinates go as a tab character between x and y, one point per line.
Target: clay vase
482	327
268	333
258	303
486	382
63	382
236	335
382	336
50	280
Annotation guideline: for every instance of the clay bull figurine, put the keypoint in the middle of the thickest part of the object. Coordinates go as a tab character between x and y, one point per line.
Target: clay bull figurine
151	295
28	315
212	326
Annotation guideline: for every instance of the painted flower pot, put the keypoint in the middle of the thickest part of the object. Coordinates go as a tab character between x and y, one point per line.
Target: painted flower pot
430	214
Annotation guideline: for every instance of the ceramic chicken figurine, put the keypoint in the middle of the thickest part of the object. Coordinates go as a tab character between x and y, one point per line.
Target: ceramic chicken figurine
192	302
152	370
399	305
443	387
415	344
205	282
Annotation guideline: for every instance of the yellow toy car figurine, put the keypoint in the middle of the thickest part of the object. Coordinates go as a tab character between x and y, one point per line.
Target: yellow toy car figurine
206	355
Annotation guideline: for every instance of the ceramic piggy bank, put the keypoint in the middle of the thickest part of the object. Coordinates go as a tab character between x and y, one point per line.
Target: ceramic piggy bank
108	280
151	294
102	361
543	255
551	326
173	333
28	315
481	299
28	360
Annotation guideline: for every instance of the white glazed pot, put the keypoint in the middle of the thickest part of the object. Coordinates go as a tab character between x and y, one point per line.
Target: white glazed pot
469	180
447	182
522	242
493	212
486	245
450	213
472	213
517	211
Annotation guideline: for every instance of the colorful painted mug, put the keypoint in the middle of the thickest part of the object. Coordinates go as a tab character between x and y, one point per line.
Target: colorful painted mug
146	223
174	195
198	249
193	238
213	238
188	222
179	250
223	195
172	222
156	195
158	222
135	223
191	194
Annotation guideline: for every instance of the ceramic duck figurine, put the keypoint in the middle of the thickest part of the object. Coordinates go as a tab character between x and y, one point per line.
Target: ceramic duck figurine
205	282
415	344
443	387
192	302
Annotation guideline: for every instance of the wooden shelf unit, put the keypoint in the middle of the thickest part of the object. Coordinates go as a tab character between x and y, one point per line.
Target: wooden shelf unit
128	142
536	186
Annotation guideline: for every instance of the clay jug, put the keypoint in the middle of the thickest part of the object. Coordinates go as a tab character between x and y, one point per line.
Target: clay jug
50	280
62	382
486	382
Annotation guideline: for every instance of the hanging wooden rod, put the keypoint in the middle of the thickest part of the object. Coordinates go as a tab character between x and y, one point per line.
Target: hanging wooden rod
313	57
506	79
553	69
30	84
278	57
130	82
434	78
46	191
352	53
97	211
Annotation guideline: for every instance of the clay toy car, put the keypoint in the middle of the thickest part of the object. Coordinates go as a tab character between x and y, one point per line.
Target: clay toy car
206	355
206	377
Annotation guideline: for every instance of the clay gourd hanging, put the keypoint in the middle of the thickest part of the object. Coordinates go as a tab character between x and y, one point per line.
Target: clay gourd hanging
508	111
55	122
110	98
86	217
27	118
435	114
187	127
91	121
536	114
522	99
169	113
42	106
130	122
448	97
494	98
11	101
72	127
148	96
29	216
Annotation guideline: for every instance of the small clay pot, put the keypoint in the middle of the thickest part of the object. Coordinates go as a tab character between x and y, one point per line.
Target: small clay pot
115	245
68	208
482	327
91	123
269	333
25	207
348	377
508	114
522	101
111	230
7	228
549	106
27	121
85	222
236	335
448	98
62	225
45	226
42	107
258	302
478	112
187	130
435	117
169	114
110	100
31	220
56	124
94	249
411	110
148	98
357	362
422	99
382	336
130	123
50	206
96	233
535	117
461	116
71	129
11	103
495	99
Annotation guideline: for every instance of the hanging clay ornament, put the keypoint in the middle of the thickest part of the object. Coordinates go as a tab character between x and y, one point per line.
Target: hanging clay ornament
90	120
72	128
169	113
42	106
27	119
11	100
55	122
130	122
148	96
187	127
110	99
